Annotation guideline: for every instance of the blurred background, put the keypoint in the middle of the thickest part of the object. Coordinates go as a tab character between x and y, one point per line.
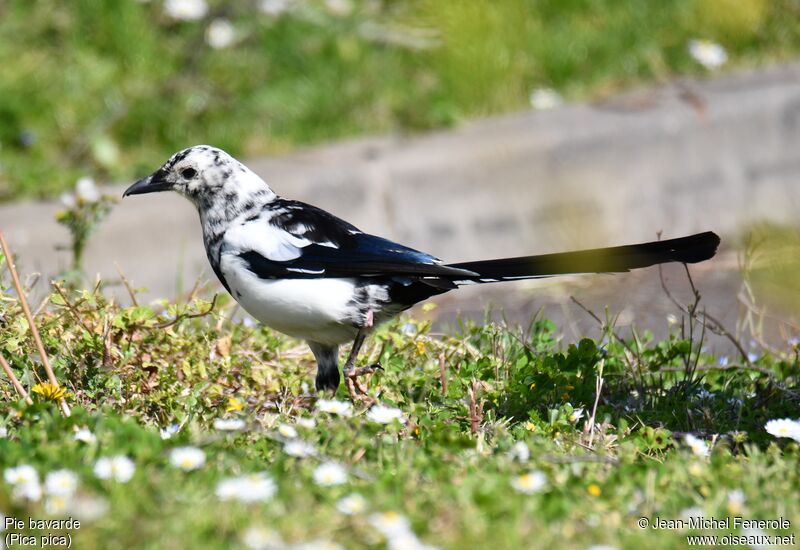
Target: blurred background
470	129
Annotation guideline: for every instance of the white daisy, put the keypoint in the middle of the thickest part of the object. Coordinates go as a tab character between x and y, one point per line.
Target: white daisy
88	507
168	431
736	500
250	488
87	190
187	458
299	449
707	53
330	473
520	452
85	435
29	490
385	415
697	445
229	424
287	431
390	524
57	505
318	544
186	10
340	8
118	468
274	8
543	99
24	473
61	483
672	319
784	427
307	423
220	34
530	483
68	200
576	415
258	537
407	541
352	504
342	408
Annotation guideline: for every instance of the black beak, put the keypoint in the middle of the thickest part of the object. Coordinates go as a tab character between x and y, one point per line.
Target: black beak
150	184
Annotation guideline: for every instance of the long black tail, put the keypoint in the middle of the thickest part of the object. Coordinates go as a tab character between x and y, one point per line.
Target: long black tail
691	249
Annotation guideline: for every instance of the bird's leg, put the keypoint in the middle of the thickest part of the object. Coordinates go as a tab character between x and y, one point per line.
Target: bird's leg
357	390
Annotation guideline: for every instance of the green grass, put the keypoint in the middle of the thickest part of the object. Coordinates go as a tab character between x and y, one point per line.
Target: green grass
110	88
133	370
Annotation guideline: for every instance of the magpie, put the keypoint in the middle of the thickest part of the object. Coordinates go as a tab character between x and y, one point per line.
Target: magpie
311	275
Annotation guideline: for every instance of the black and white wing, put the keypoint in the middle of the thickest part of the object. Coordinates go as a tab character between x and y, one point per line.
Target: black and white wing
292	240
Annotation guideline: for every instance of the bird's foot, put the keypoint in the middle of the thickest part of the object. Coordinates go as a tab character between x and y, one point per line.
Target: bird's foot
357	390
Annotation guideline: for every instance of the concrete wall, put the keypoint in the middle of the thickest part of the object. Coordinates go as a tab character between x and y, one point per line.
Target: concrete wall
686	157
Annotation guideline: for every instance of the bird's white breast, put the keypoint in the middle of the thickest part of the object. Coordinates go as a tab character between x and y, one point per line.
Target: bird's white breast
312	309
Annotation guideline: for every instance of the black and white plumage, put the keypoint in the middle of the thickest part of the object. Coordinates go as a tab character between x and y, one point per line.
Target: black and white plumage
311	275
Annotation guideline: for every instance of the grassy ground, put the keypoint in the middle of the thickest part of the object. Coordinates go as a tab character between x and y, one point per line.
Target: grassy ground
109	88
473	406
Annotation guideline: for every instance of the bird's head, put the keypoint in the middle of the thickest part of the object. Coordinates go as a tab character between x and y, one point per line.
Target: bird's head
205	175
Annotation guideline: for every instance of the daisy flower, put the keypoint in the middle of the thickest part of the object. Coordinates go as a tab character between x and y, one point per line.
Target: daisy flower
736	500
339	8
385	415
318	544
274	8
697	445
258	537
257	487
220	34
299	449
307	423
390	524
85	435
186	10
520	452
342	408
118	468
707	53
87	190
330	473
88	507
24	473
61	483
68	200
287	431
543	99
29	490
576	415
229	424
187	458
352	504
530	483
56	505
784	427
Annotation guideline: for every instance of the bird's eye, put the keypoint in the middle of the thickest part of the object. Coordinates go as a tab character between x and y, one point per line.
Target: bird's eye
188	173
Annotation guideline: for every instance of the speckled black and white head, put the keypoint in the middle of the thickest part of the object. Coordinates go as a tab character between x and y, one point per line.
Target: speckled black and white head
207	176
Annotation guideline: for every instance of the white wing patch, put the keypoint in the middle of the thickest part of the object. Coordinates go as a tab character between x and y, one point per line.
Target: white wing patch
261	236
